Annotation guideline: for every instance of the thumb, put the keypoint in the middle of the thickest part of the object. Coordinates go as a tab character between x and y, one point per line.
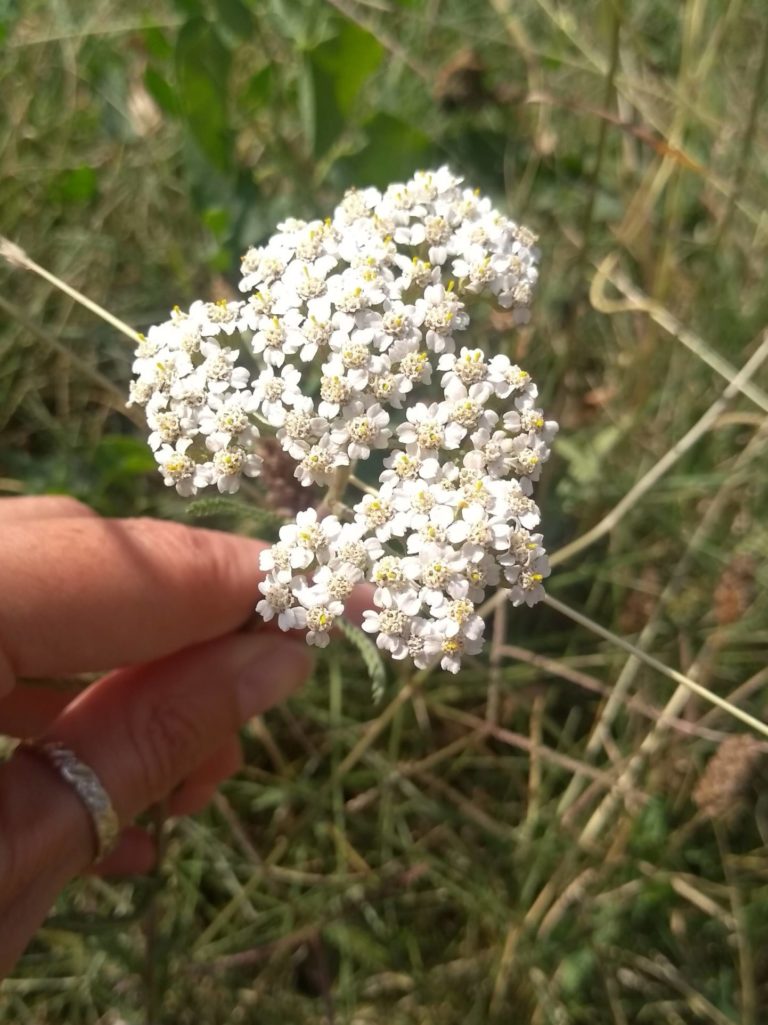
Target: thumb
142	730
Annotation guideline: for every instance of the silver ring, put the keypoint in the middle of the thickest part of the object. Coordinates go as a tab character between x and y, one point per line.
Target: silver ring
88	788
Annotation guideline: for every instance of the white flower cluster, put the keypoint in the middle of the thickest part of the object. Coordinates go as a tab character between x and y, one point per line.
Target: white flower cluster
199	402
358	327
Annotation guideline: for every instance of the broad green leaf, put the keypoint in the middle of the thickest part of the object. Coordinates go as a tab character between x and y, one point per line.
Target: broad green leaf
120	457
202	73
156	43
395	149
349	59
321	117
9	12
217	220
258	91
192	8
235	17
339	69
161	91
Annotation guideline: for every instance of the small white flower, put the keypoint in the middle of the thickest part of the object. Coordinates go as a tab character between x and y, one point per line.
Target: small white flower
439	569
167	427
278	336
263	266
219	370
430	428
362	428
316	332
355	363
480	576
527	456
229	464
304	286
443	313
527	587
338	582
394	628
322	611
301	428
164	368
508	378
468	368
274	391
414	368
491	453
449	649
276	561
467	408
395	323
351	546
375	513
279	600
357	205
226	418
415	273
180	470
216	318
478	533
259	305
308	538
319	461
408	465
459	618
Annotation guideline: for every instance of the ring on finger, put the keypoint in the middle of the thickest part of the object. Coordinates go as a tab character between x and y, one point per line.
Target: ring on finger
87	786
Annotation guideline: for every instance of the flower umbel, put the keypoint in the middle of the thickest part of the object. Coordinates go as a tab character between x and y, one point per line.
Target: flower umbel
355	340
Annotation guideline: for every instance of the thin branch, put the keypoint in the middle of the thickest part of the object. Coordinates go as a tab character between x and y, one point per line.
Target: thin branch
16	257
625	679
361	485
672	674
116	397
595	686
668	460
638	302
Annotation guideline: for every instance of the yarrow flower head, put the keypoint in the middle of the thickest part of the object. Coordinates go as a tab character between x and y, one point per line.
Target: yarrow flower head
357	339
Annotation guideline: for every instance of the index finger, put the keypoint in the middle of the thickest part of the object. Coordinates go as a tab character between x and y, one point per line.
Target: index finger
91	594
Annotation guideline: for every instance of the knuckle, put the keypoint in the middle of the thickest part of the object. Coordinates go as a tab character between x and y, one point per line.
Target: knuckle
208	558
167	741
189	553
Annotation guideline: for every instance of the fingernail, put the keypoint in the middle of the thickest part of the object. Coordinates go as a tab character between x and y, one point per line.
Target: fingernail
272	668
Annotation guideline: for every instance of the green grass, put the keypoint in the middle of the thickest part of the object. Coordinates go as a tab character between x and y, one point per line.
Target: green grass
434	858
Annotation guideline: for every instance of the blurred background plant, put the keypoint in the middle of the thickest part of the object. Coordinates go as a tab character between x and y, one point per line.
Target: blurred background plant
558	835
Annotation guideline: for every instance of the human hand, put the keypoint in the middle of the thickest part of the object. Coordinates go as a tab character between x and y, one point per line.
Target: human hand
164	603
